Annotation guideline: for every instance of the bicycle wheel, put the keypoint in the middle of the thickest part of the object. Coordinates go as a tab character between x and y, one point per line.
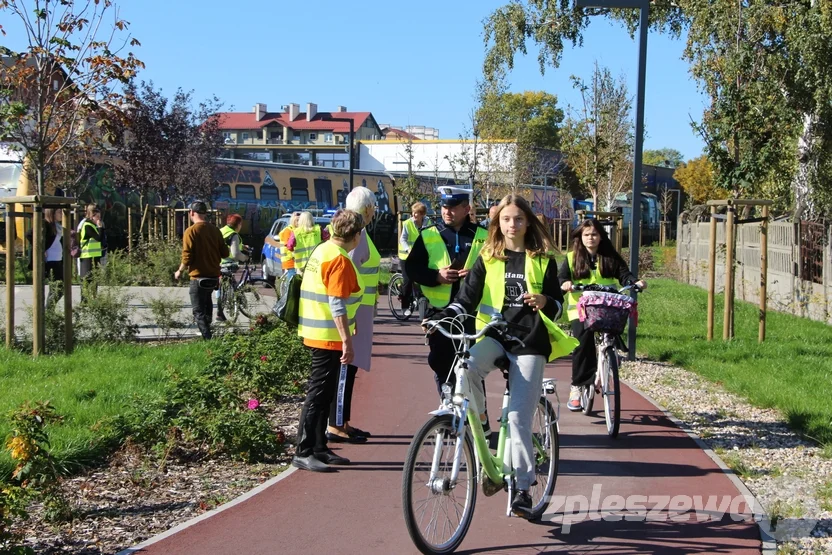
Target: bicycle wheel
256	297
228	300
438	512
611	392
587	398
547	456
394	297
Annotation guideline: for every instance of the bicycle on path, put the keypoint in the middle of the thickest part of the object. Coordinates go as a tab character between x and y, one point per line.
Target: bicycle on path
606	311
395	292
449	456
248	296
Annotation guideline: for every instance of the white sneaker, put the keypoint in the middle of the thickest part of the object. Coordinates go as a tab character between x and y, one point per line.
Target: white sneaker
407	312
574	403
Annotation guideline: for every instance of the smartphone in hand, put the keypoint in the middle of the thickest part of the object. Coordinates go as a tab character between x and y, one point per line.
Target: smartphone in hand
457	264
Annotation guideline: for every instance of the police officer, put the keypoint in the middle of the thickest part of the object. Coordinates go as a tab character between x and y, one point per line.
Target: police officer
441	257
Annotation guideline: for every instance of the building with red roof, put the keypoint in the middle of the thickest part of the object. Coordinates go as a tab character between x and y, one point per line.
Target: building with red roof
295	137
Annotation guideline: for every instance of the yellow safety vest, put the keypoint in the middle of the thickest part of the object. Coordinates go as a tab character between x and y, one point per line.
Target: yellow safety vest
412	235
90	248
595	278
315	316
439	296
493	295
305	243
369	274
227	234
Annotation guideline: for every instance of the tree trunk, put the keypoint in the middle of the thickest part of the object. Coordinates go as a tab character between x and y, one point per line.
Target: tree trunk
802	180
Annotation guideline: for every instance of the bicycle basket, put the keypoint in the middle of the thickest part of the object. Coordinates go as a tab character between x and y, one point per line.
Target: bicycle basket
606	312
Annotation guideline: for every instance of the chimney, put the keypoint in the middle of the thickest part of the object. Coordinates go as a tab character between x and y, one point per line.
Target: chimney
341	109
259	111
311	110
294	110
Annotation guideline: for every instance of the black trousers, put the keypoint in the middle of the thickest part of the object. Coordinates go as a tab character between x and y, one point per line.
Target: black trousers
348	387
407	286
584	357
202	306
321	388
54	274
441	359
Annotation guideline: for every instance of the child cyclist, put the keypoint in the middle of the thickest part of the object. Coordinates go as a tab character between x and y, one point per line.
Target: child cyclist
516	276
592	260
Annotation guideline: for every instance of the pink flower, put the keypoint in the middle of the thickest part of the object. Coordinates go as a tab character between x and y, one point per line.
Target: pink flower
264	358
253	404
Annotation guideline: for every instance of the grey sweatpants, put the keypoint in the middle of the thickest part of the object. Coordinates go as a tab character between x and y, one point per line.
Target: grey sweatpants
525	380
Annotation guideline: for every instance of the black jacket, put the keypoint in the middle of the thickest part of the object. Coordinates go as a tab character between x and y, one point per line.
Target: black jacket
621	271
514	310
458	245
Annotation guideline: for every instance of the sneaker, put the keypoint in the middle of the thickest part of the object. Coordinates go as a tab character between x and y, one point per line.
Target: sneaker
220	317
522	504
574	403
486	428
407	312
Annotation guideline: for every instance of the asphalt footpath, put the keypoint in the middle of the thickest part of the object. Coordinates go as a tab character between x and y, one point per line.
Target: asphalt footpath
651	490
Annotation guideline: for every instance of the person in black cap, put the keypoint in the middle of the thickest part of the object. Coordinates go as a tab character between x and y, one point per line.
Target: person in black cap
203	249
441	257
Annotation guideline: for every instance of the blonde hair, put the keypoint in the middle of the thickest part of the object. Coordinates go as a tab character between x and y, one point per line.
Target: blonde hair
538	240
293	219
305	222
346	224
419	208
91	211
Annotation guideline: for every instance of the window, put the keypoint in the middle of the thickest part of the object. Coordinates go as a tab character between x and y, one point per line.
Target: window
313	136
328	137
296	136
226	135
268	192
245	136
300	188
245	192
223	191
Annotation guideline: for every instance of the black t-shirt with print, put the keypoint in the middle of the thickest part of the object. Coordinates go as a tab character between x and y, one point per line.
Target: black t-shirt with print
514	309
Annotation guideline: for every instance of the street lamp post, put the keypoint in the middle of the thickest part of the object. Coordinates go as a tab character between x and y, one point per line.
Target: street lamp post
352	135
635	234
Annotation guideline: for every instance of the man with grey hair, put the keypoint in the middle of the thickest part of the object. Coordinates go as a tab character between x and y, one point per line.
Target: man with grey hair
367	260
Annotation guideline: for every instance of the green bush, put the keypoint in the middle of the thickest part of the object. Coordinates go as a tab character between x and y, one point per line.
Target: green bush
150	264
222	408
103	316
165	310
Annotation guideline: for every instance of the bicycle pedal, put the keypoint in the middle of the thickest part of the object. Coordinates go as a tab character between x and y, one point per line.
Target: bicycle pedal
489	488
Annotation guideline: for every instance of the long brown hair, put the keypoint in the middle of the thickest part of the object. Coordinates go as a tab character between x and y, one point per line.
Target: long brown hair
538	240
607	256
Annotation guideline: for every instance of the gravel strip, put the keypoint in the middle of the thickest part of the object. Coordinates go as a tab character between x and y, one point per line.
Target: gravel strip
138	495
790	476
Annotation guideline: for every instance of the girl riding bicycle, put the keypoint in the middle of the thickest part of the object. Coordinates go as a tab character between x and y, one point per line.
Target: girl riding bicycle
592	260
515	276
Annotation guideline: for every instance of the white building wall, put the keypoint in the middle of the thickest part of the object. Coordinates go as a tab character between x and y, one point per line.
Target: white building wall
435	157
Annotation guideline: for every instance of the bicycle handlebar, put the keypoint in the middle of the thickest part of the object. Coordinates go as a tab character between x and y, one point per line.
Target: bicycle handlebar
497	323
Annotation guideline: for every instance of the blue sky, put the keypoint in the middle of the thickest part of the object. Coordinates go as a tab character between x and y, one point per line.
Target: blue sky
407	62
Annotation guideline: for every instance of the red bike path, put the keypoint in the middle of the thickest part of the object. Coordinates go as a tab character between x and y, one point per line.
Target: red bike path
359	510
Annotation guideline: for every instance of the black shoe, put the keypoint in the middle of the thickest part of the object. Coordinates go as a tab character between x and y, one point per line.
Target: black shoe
328	457
522	504
358	432
220	317
335	438
310	463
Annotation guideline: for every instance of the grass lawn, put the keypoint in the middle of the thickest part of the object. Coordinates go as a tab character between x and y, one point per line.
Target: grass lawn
86	388
791	370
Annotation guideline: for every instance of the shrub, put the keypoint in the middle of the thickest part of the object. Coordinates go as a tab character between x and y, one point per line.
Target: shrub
103	316
166	310
150	264
221	408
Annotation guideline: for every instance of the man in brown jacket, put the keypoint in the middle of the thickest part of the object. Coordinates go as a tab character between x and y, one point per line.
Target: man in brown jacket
202	250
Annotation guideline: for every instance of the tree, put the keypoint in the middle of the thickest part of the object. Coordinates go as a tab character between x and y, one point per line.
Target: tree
58	95
598	137
531	120
766	67
663	157
168	147
697	179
